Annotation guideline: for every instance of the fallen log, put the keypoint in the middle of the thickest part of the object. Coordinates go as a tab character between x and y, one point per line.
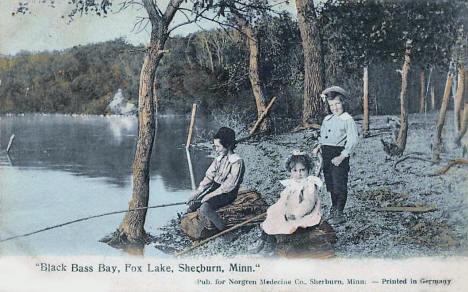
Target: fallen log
312	242
248	204
258	217
449	165
262	116
422	209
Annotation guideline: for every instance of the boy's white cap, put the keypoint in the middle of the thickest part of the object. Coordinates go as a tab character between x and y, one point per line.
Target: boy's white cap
335	89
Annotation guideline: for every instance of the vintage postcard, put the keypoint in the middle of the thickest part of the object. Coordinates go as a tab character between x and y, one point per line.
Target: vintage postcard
233	145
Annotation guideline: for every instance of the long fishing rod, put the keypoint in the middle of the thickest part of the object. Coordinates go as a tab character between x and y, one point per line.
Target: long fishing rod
90	217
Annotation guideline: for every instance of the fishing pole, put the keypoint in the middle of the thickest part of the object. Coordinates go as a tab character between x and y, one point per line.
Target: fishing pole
90	217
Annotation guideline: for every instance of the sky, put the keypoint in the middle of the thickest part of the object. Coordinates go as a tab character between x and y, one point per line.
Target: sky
45	30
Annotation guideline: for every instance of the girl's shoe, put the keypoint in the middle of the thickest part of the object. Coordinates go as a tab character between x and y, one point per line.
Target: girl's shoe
257	246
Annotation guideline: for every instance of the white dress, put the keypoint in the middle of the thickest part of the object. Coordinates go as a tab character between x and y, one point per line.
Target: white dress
300	199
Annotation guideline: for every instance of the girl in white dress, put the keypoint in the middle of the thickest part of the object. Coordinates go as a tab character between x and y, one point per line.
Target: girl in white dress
298	205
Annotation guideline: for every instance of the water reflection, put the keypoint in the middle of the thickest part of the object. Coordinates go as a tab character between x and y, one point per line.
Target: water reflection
70	167
96	146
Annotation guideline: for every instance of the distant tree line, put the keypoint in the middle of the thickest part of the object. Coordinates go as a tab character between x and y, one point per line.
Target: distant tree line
211	68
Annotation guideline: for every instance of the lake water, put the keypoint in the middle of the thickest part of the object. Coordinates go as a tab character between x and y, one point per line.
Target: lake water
63	168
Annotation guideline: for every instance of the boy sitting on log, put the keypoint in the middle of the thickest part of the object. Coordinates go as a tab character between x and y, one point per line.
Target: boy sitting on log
221	183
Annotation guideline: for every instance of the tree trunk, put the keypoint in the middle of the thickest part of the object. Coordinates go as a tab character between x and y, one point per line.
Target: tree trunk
313	110
255	77
204	40
422	101
463	124
457	110
366	101
402	134
441	120
132	227
432	98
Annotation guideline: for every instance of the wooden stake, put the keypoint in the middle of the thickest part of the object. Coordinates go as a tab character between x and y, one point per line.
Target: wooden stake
262	116
463	124
10	143
440	122
365	125
427	91
422	101
219	234
192	123
432	98
192	177
403	132
457	110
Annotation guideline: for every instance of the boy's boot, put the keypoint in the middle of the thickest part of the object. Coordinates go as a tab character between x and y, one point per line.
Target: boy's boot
337	218
331	212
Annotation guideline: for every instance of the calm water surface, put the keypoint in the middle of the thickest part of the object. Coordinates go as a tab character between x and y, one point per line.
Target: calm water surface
63	168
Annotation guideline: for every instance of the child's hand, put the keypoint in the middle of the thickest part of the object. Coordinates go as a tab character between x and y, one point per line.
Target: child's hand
194	195
337	160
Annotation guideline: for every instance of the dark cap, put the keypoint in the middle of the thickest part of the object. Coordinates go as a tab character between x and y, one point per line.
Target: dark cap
226	136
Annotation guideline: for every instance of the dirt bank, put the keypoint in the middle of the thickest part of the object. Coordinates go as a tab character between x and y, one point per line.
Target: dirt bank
374	182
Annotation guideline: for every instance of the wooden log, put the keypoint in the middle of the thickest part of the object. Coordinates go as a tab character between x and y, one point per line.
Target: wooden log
311	242
422	209
262	116
440	122
10	143
450	164
192	123
221	233
246	205
365	125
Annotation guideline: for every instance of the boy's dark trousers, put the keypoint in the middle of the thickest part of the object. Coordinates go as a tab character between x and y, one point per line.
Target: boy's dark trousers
208	208
336	177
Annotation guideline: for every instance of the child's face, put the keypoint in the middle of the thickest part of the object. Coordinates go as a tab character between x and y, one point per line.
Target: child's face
219	148
336	107
299	171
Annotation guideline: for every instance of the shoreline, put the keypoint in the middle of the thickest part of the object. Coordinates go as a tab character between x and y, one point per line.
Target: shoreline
373	183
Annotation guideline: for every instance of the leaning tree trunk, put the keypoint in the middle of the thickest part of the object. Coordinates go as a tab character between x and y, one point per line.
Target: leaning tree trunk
255	77
422	101
440	122
313	62
365	126
457	109
132	227
402	134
